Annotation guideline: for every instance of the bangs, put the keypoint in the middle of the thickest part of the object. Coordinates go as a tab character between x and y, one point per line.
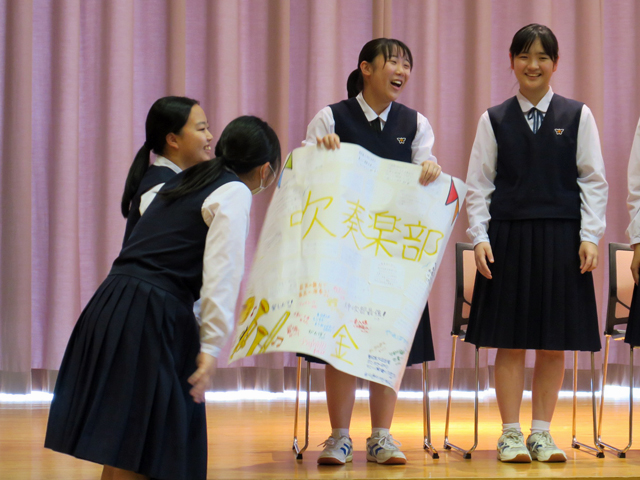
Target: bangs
395	48
526	37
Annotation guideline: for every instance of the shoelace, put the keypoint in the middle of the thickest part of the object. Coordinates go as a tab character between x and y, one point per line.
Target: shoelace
329	442
512	438
389	443
544	439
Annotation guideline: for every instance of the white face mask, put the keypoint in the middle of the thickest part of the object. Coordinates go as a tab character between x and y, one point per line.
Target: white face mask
257	190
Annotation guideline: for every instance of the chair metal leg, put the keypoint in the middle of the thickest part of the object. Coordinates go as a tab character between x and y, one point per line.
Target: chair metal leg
451	374
466	454
597	449
620	452
426	413
296	448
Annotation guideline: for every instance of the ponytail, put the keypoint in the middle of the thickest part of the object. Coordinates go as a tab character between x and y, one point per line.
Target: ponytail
245	143
138	168
355	83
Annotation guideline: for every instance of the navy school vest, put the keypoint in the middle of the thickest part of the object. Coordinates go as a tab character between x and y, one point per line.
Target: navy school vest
536	174
393	142
152	177
167	246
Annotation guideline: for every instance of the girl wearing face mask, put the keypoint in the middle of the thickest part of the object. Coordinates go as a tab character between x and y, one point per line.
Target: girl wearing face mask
130	392
536	203
373	119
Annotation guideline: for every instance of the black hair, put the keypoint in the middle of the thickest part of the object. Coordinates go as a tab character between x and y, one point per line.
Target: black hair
245	143
167	115
388	47
526	36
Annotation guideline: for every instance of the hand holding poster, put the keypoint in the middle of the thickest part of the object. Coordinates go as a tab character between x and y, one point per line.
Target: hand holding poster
348	252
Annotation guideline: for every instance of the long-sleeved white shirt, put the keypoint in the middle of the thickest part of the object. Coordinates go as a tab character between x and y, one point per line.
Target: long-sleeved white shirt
149	195
591	175
421	148
226	211
633	180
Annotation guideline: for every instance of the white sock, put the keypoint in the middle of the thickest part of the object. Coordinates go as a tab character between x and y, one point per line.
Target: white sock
340	432
538	426
379	432
511	426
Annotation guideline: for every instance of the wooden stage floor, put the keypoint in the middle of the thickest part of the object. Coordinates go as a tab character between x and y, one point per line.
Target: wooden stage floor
251	439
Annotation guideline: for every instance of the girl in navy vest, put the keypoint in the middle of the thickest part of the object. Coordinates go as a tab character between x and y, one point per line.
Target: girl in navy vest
536	204
632	336
372	119
144	180
130	392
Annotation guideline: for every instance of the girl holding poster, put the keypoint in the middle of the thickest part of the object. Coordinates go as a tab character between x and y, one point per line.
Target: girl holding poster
130	392
536	204
372	119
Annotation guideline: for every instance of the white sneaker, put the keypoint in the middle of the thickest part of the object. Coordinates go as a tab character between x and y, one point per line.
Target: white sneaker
511	447
384	449
337	451
544	449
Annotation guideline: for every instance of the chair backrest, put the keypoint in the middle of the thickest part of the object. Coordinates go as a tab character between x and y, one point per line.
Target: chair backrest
465	280
620	288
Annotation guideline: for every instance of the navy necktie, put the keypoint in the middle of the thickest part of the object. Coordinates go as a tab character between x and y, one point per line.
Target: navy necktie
537	117
375	124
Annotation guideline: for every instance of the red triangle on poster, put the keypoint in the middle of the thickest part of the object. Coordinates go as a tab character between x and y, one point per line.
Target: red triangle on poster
453	194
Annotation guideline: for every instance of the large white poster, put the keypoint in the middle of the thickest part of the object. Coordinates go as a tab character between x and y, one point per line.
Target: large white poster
348	252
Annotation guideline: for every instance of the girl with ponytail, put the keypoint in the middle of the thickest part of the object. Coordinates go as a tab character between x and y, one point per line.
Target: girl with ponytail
372	119
130	392
170	121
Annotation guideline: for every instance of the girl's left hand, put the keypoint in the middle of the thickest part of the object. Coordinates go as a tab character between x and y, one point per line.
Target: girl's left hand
588	256
202	376
430	171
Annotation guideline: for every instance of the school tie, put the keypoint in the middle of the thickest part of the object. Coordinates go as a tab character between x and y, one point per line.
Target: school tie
375	124
537	117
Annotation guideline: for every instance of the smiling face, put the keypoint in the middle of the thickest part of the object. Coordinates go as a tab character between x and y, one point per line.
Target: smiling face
533	70
384	81
194	139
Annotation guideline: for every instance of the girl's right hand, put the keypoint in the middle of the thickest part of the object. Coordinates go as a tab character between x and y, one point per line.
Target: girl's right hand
330	142
483	253
635	263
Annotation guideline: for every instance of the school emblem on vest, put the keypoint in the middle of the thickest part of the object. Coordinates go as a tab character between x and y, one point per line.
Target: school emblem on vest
401	140
559	131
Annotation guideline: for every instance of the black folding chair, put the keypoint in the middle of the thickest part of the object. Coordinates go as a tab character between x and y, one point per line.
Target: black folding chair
426	411
465	279
620	294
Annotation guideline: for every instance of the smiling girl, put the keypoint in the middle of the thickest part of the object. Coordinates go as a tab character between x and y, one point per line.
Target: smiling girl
536	204
178	133
373	119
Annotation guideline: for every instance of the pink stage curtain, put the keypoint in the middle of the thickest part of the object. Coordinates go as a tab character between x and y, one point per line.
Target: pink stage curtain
78	77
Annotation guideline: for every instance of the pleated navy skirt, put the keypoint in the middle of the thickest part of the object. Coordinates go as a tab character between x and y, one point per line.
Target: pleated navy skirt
537	298
632	337
122	396
421	350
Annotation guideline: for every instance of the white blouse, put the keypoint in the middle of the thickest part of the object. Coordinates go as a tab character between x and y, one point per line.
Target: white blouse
591	179
150	194
226	211
633	179
421	148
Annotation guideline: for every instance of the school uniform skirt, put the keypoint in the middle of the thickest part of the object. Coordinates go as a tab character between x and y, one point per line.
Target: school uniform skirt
421	350
122	396
537	298
632	337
